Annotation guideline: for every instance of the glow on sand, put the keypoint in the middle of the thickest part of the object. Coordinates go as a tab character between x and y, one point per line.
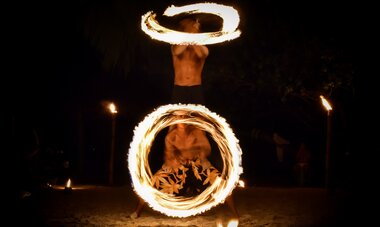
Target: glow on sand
231	223
228	31
210	122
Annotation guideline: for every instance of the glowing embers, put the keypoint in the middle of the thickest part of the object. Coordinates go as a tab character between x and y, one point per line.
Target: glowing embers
228	31
220	132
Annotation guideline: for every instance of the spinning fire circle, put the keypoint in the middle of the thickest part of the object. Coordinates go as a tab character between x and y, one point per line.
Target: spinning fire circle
228	31
219	130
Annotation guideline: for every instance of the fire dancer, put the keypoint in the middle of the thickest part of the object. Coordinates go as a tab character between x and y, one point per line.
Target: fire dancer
186	171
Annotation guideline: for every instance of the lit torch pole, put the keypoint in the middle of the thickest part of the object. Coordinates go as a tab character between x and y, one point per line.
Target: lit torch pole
328	108
113	111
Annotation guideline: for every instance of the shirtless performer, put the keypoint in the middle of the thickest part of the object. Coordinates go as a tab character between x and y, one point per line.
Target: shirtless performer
188	62
186	146
186	171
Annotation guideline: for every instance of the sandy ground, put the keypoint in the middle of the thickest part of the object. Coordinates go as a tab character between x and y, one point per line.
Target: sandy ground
258	206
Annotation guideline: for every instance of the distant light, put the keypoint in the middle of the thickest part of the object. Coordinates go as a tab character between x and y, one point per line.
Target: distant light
68	187
68	183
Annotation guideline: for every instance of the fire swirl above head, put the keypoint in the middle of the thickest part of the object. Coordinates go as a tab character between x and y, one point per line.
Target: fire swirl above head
228	31
220	132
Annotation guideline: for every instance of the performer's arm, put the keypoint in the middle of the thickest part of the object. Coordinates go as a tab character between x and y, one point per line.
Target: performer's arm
200	50
172	153
178	49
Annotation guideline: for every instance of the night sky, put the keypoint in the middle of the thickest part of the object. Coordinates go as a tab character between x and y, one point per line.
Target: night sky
68	58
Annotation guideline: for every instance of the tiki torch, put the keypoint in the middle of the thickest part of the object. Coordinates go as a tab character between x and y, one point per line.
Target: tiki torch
112	109
328	108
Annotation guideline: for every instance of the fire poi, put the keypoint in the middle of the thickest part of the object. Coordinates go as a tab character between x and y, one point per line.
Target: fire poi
220	132
228	31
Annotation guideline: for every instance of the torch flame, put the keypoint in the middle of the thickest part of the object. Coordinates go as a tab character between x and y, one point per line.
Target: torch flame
112	108
241	183
325	103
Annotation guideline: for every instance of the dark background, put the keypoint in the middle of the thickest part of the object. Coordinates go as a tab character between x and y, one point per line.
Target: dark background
67	59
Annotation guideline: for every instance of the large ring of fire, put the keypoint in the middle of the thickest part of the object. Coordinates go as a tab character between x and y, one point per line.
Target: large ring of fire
228	31
221	133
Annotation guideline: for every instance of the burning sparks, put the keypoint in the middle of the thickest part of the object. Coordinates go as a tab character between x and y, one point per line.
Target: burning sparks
241	184
325	103
206	120
228	31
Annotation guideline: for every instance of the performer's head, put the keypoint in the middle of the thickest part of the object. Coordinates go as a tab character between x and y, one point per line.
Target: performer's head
190	24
